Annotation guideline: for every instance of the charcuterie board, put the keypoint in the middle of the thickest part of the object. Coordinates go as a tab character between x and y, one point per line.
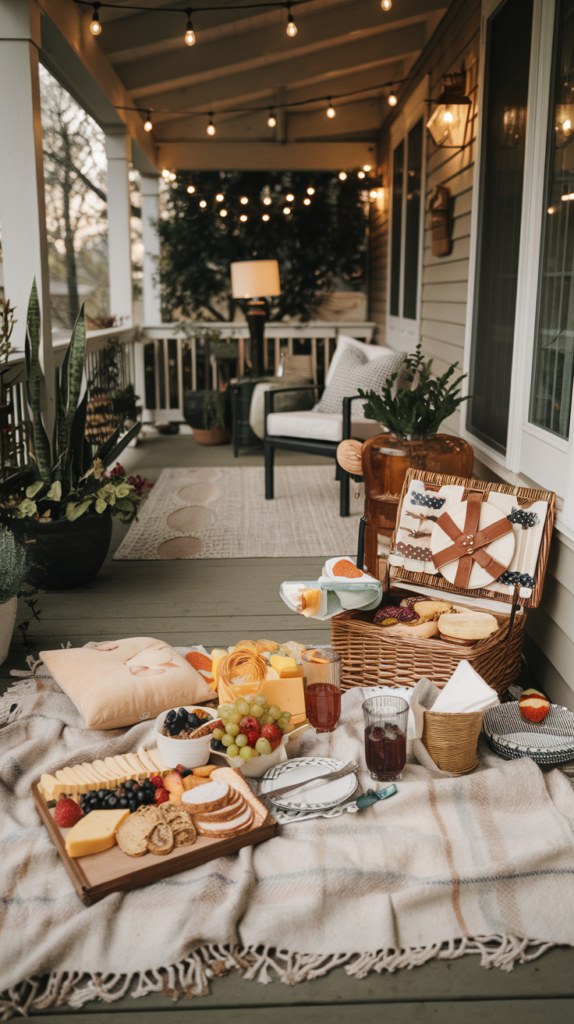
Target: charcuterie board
100	874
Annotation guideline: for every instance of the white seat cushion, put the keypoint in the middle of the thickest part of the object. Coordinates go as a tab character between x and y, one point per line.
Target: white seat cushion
318	426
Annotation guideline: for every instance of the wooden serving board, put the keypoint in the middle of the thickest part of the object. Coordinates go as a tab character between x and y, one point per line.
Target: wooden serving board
99	874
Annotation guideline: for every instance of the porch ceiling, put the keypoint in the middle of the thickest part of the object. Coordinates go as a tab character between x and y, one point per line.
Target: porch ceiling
244	60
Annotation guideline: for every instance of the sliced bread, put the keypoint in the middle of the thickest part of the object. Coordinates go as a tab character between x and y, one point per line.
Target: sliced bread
133	833
208	797
236	806
225	829
160	840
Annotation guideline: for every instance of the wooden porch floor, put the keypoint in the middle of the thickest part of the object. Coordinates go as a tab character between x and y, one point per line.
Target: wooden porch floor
217	602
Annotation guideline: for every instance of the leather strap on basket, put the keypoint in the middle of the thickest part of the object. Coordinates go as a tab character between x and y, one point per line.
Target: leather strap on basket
468	543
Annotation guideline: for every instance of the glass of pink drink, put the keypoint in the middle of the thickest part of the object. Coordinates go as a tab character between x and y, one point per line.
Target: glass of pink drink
386	720
322	682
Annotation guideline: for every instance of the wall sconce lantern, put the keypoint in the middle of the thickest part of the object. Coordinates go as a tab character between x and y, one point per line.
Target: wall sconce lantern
449	121
564	124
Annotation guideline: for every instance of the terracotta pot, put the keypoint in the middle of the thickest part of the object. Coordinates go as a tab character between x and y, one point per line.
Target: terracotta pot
216	435
65	554
385	460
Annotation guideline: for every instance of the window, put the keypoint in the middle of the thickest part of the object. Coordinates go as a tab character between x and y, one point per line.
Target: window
406	210
505	97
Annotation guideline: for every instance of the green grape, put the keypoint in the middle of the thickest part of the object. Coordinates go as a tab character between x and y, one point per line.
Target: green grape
242	706
263	746
282	723
218	734
256	710
227	740
287	715
288	728
265	719
275	712
233	750
232	729
246	753
223	710
260	699
234	716
241	739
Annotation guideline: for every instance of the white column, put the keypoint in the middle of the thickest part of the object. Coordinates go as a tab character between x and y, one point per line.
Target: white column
150	218
118	152
22	205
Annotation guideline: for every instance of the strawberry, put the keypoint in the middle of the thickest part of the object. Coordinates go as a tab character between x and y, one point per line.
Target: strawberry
273	734
157	781
160	796
67	812
250	727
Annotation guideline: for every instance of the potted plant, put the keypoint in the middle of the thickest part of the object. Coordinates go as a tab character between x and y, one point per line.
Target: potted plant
63	500
208	414
13	571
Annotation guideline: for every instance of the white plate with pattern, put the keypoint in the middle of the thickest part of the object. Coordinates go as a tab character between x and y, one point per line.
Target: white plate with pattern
329	794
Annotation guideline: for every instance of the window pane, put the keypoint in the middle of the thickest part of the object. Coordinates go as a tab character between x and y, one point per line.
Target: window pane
396	225
502	171
551	397
413	219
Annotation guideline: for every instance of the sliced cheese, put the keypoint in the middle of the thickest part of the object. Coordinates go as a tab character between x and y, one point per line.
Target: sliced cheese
90	772
95	832
51	788
286	668
125	766
146	760
72	786
142	773
118	773
105	773
83	782
157	760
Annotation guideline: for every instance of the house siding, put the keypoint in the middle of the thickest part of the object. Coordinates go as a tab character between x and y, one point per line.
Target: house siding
549	644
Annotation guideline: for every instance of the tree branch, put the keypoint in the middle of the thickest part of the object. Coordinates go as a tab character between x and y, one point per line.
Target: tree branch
135	210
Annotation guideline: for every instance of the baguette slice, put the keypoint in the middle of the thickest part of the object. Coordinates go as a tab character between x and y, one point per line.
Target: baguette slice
226	829
208	797
160	840
134	832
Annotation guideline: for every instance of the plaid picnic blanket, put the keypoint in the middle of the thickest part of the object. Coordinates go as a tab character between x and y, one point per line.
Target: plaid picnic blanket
482	864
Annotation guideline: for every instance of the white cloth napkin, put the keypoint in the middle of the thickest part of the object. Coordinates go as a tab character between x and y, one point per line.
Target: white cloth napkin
465	691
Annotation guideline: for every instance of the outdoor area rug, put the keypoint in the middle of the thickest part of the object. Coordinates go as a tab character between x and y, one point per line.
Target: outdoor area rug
482	864
222	513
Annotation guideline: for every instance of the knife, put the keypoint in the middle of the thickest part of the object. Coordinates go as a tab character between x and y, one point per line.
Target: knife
306	784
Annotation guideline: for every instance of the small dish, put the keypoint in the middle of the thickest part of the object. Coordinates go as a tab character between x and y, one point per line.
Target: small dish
190	753
257	766
329	794
549	742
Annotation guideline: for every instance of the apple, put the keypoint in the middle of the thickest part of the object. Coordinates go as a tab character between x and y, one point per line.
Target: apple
273	734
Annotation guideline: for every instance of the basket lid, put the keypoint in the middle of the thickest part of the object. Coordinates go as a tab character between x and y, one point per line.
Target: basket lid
472	537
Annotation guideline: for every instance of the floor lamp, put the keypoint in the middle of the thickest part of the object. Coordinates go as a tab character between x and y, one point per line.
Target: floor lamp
256	280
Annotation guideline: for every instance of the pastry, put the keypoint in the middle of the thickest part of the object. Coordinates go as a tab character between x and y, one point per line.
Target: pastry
468	625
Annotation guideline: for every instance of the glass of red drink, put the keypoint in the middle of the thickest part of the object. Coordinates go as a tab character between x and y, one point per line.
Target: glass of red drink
322	682
386	720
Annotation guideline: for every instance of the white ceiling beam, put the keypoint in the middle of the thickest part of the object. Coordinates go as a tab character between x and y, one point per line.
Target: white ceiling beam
264	156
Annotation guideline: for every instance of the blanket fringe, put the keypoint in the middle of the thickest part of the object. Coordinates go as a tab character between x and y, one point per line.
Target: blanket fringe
13	695
190	978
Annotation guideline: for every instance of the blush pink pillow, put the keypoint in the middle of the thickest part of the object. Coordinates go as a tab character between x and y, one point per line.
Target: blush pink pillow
122	682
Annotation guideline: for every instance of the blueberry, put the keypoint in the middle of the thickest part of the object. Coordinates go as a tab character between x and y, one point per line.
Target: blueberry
141	797
123	801
175	729
113	801
129	784
170	716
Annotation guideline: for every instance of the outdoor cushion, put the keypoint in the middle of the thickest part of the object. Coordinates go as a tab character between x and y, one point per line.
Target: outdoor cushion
122	682
354	372
282	403
344	343
318	426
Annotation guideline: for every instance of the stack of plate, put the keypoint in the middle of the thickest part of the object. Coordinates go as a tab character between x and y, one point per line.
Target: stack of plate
549	742
319	801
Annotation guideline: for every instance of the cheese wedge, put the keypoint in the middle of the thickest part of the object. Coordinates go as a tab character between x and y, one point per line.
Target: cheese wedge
142	773
95	832
125	766
112	765
146	760
157	760
286	668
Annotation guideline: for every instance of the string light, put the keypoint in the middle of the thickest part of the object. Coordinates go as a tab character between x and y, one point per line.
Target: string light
267	201
330	109
203	204
342	175
191	189
392	99
291	26
306	202
386	4
373	193
310	191
265	216
147	123
211	126
290	197
171	176
189	33
165	173
271	120
219	197
360	174
223	213
366	168
286	209
243	217
95	27
244	200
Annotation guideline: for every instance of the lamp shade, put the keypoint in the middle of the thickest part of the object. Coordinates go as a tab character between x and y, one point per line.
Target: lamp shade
254	279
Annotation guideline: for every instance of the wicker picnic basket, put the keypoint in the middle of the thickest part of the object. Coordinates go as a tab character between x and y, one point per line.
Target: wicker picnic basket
371	658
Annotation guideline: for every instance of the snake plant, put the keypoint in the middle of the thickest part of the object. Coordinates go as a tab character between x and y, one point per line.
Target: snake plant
14	564
64	479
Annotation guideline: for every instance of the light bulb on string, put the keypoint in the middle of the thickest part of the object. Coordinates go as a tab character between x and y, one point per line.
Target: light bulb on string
244	200
271	120
290	197
223	213
386	4
366	168
165	173
171	176
286	210
147	123
291	26
267	201
342	175
310	191
189	33
265	216
95	26
330	109
360	174
243	217
203	204
373	193
392	99
219	197
191	189
306	202
211	127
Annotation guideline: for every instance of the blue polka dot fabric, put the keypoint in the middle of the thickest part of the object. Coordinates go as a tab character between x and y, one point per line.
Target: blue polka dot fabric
427	500
511	579
525	519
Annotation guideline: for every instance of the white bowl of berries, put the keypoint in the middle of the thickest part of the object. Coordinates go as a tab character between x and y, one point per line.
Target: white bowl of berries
254	735
184	735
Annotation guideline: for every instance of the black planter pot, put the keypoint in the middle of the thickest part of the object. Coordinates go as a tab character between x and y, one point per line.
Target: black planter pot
66	554
193	408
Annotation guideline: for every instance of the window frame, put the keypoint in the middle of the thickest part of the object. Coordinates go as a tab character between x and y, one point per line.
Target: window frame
403	333
533	455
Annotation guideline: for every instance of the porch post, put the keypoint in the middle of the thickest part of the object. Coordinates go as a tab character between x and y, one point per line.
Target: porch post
22	204
118	152
150	217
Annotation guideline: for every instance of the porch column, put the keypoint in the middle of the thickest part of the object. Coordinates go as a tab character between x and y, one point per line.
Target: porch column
22	205
150	217
118	152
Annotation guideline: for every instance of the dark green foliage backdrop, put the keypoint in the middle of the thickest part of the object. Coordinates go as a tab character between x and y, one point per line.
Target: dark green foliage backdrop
314	244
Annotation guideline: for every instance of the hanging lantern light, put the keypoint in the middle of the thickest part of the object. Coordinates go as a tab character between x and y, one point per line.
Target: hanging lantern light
449	121
95	26
148	122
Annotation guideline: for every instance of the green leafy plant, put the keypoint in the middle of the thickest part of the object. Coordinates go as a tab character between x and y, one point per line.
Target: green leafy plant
64	480
215	410
420	410
13	566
